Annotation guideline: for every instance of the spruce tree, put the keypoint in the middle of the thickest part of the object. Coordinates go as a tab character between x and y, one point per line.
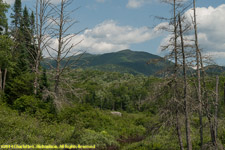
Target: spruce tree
25	42
3	19
32	23
25	27
17	13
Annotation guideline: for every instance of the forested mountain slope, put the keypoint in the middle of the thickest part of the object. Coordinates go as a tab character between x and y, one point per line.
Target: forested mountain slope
125	61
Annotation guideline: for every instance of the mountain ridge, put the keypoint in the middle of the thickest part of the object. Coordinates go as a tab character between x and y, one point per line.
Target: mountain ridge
124	61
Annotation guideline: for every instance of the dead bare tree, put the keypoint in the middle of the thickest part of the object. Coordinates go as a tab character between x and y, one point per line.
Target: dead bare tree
41	38
199	97
178	126
172	47
205	103
0	79
65	48
216	110
186	105
4	79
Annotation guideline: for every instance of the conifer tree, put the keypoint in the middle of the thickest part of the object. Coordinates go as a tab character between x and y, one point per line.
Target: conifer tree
17	12
3	19
25	27
20	34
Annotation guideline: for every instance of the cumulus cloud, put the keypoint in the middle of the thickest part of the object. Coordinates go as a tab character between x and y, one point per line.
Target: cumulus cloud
137	3
211	31
211	27
109	36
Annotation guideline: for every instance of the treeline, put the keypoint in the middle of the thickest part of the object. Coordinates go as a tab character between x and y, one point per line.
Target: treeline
22	46
17	49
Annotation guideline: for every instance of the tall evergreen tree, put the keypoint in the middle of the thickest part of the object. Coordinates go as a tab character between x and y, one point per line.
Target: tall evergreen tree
32	23
17	13
20	33
3	19
25	27
33	49
25	42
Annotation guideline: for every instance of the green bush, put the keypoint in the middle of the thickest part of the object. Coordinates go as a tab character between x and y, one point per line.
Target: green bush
85	115
19	86
99	139
27	104
35	107
23	129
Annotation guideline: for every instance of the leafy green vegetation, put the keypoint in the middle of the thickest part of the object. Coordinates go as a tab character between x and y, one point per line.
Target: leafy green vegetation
112	102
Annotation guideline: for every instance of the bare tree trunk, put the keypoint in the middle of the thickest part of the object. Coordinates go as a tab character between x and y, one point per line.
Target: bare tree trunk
4	80
59	52
0	79
224	92
57	79
139	105
216	110
179	132
35	82
178	128
39	17
198	77
113	106
207	109
187	123
42	26
36	59
212	130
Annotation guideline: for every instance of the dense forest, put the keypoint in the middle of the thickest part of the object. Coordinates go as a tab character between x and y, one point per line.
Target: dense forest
124	100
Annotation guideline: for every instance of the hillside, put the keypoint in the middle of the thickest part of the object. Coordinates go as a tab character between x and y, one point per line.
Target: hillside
215	70
125	61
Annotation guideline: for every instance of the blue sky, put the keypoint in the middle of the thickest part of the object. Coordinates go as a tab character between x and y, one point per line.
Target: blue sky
113	25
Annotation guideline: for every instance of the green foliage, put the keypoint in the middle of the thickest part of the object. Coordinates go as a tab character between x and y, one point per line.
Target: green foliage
19	86
5	52
99	139
3	19
17	13
97	120
112	90
35	107
23	129
27	104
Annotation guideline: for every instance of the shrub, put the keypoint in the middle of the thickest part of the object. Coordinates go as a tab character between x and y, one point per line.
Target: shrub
27	104
35	107
23	129
99	139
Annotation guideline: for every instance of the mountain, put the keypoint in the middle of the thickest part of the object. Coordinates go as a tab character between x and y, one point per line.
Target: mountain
125	61
215	70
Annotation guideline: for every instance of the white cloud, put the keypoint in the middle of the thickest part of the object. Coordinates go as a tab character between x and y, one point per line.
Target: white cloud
137	3
211	33
111	37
